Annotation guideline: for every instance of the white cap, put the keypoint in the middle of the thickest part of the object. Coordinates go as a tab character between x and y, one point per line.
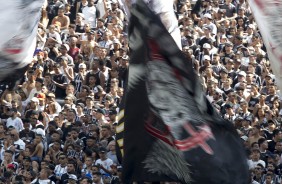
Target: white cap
223	36
81	65
251	26
40	131
66	46
73	177
207	46
242	73
80	15
34	99
207	57
245	138
207	15
116	41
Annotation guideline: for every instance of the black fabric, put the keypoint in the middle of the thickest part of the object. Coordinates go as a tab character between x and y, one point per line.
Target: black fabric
11	73
170	129
120	131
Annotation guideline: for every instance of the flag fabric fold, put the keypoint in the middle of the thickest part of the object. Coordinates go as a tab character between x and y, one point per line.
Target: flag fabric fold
266	14
171	132
18	39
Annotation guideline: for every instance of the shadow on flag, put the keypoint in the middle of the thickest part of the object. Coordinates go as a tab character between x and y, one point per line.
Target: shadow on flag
171	132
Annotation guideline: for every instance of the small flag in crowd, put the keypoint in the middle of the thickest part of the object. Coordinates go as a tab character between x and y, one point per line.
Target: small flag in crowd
171	132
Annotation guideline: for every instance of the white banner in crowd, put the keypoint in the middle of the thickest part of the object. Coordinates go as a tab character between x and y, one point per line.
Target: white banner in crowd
18	21
267	14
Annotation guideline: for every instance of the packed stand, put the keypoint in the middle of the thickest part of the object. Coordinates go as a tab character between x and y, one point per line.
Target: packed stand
223	41
58	126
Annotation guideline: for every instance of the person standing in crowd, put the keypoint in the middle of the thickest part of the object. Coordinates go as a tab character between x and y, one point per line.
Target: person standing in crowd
63	19
104	163
91	14
43	177
60	81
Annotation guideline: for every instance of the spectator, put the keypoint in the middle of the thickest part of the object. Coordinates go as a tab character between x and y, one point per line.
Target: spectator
79	78
91	143
60	81
100	77
255	134
37	89
61	168
70	174
112	152
100	117
230	114
65	69
91	14
87	166
103	163
18	145
26	134
15	121
263	145
85	180
255	159
39	148
258	174
8	159
63	19
43	177
97	178
106	43
276	137
29	176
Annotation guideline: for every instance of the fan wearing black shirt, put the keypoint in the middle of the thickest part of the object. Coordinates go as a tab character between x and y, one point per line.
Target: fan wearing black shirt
277	136
26	134
123	70
60	80
71	169
271	95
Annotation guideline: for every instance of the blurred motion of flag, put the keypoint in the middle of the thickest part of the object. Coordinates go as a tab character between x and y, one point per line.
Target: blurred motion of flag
267	14
18	21
168	131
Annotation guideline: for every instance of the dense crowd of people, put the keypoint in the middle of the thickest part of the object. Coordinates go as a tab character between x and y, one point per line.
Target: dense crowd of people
58	125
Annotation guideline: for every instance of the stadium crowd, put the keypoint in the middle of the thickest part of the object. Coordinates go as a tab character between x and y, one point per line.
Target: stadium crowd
59	124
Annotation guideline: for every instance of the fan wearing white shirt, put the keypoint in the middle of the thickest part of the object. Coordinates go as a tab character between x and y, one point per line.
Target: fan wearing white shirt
104	163
18	145
90	14
15	121
255	159
106	42
43	177
39	82
61	168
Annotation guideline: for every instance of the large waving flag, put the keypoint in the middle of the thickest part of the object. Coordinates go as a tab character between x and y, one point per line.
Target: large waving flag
18	20
171	132
267	14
